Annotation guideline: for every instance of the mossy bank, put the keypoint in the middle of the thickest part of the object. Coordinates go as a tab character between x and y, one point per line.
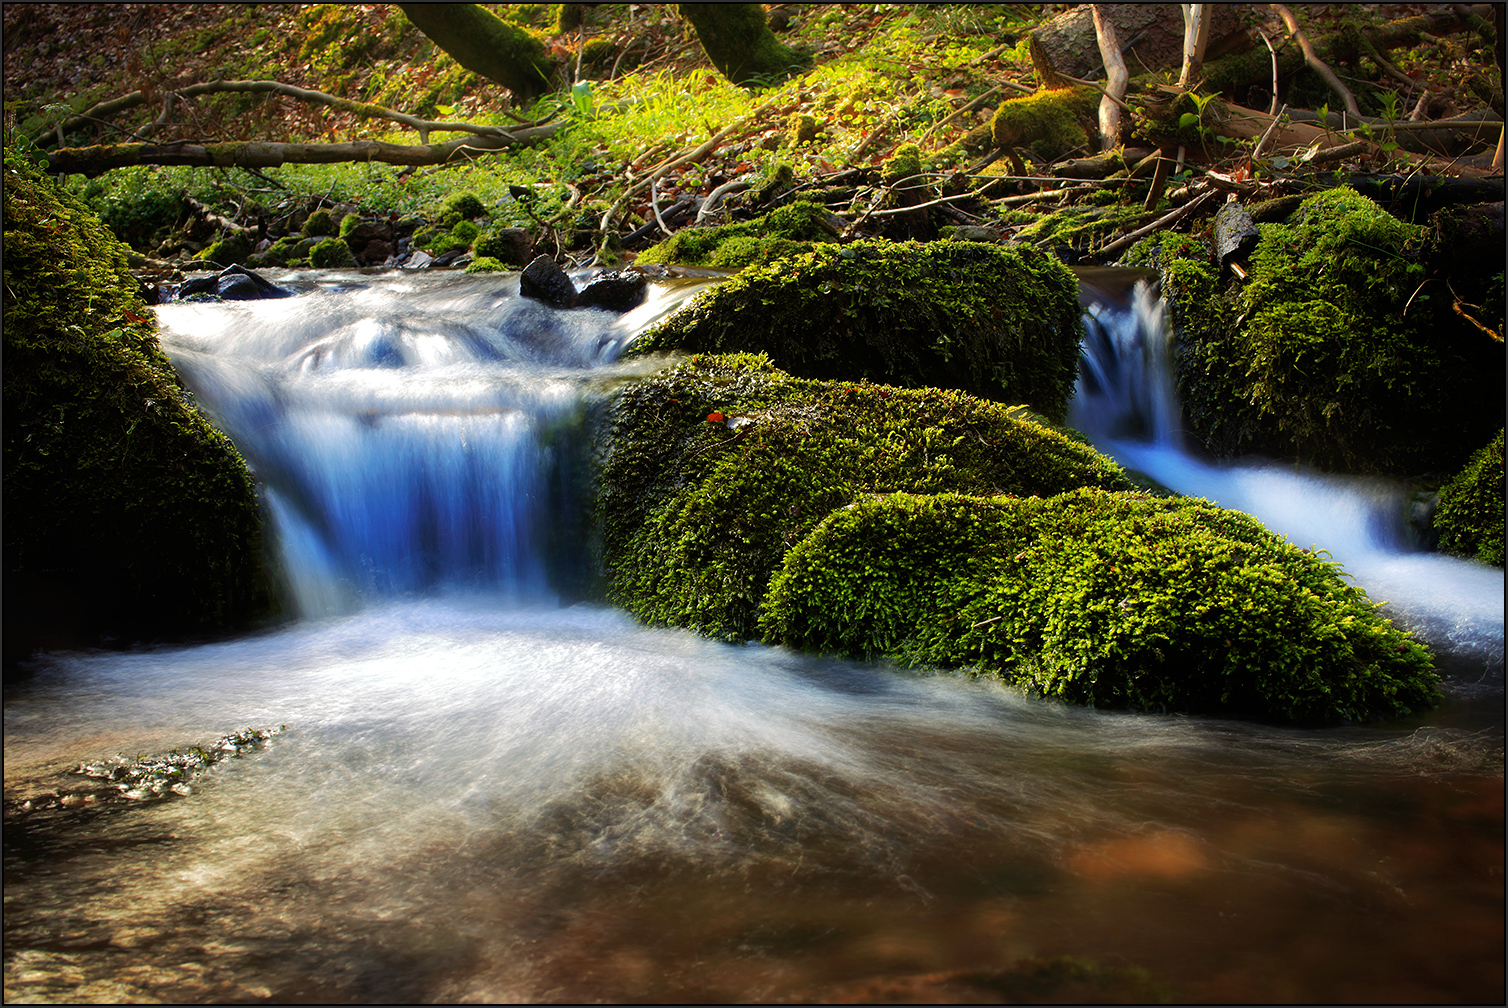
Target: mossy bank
935	526
128	516
995	322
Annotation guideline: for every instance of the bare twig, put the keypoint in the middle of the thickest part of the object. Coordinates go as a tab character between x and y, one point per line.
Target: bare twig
715	198
1272	105
969	107
1316	64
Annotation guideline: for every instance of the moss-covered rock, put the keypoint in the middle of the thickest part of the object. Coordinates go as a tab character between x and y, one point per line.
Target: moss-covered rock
486	264
1335	351
1001	323
320	224
232	250
719	466
127	514
1470	516
467	205
1108	599
782	232
1052	121
332	253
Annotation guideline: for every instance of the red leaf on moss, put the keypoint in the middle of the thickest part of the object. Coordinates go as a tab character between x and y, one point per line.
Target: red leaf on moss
715	418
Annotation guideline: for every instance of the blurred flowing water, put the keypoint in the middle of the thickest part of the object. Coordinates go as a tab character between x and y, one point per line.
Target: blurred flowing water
492	791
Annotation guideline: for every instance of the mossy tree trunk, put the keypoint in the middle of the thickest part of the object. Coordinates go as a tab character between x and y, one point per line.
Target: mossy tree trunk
738	41
485	44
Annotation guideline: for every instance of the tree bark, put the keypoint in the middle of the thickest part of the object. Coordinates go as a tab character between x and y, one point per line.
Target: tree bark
738	41
238	154
1115	84
485	44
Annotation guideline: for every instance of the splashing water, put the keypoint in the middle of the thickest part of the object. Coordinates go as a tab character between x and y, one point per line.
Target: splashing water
485	794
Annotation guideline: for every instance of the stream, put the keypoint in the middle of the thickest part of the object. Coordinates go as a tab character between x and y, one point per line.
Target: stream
490	790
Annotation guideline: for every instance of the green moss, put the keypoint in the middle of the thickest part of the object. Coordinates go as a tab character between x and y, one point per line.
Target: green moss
905	163
782	232
350	222
126	513
332	253
1079	226
486	264
1315	357
1470	517
1106	599
320	223
467	205
1002	323
800	128
697	515
230	249
1050	122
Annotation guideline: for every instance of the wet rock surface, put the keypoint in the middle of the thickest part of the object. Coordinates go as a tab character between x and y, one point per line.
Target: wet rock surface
544	280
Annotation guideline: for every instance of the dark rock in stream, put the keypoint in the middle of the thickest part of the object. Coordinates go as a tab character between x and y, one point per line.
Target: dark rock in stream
544	280
234	283
615	291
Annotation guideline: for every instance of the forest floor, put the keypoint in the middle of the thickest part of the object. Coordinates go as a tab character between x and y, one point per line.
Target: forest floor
881	77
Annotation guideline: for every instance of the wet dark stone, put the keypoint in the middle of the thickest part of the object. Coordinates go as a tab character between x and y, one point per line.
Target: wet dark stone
376	253
237	283
544	280
615	291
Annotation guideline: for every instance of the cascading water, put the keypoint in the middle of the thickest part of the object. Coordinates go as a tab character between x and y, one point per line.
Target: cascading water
488	794
1127	402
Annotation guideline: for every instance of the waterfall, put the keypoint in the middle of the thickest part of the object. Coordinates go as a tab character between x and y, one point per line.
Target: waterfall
1126	401
411	436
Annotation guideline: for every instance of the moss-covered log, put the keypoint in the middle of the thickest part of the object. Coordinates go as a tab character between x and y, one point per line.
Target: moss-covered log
485	44
717	467
1107	599
1001	323
1340	350
127	515
738	41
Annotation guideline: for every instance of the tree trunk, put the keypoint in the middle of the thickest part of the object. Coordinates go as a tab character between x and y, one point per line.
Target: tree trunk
485	44
739	42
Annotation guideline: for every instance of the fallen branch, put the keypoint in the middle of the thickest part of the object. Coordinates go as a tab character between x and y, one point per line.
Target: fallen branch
92	161
366	109
1127	241
214	218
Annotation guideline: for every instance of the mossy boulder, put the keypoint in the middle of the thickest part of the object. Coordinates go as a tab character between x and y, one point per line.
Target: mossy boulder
1336	351
1051	121
1000	323
127	514
1106	599
232	250
720	465
467	206
783	232
320	224
486	264
1470	516
332	253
